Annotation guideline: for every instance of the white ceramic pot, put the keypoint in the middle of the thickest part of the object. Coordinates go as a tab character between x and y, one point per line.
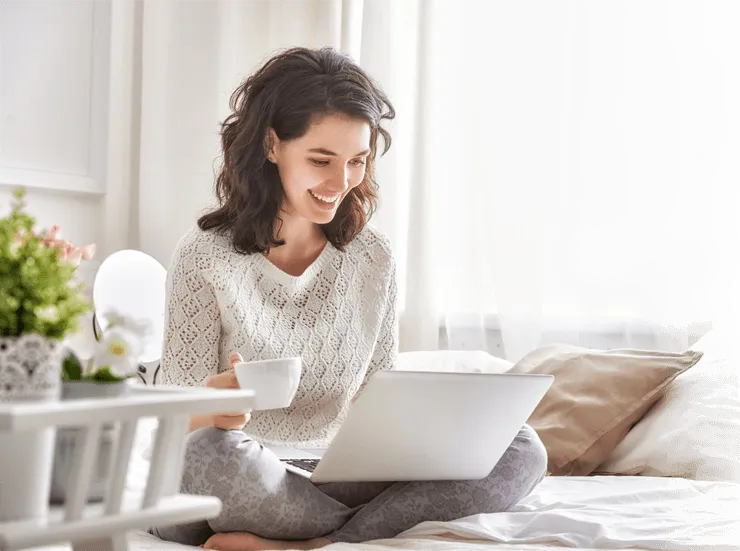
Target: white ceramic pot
68	437
30	371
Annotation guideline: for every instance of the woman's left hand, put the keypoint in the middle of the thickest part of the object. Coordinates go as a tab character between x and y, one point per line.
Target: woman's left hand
236	420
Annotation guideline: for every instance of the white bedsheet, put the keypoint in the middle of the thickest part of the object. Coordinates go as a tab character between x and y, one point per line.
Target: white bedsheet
587	513
611	513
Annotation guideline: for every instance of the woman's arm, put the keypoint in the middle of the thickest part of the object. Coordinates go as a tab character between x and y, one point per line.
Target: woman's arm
385	354
192	333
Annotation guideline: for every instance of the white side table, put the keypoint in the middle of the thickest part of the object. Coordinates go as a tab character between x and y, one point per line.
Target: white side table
103	526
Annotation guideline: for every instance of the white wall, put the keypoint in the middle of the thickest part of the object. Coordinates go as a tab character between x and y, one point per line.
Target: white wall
53	112
79	217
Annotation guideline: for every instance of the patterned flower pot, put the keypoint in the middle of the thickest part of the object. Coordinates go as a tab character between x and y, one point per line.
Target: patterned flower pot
67	439
30	371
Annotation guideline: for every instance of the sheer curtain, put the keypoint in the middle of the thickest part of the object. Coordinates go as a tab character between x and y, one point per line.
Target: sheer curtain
174	66
560	171
579	174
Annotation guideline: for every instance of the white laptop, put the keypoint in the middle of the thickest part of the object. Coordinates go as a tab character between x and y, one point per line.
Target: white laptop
412	425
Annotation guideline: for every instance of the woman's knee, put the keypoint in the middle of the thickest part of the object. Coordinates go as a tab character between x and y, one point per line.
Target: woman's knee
532	457
518	472
524	464
212	442
204	447
211	456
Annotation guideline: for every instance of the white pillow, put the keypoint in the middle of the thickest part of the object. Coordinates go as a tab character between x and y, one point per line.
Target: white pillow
694	430
462	361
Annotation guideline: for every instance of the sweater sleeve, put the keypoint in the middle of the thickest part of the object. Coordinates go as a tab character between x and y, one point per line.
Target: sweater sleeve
385	353
192	331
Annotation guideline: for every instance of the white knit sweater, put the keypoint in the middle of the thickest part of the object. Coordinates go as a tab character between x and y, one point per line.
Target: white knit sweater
339	316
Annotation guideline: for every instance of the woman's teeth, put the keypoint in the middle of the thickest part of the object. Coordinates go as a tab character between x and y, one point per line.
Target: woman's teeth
324	198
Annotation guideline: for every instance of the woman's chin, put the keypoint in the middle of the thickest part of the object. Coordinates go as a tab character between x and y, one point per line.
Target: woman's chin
320	214
323	218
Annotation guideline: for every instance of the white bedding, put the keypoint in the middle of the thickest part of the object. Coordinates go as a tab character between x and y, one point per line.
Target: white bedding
611	513
586	513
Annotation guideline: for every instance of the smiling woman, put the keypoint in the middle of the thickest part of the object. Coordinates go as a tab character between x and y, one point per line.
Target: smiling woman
288	266
300	143
319	169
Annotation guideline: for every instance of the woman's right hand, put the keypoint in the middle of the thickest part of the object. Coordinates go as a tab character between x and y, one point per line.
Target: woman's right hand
236	420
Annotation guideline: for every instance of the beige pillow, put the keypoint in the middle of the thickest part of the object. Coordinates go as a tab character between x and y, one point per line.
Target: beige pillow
597	396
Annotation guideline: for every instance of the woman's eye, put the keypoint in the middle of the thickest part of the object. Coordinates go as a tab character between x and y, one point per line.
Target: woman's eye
319	162
358	162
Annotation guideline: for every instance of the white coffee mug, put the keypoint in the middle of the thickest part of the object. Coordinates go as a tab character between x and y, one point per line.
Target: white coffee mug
275	382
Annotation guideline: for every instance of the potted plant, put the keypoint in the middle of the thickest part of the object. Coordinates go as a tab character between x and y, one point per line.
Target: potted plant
97	363
40	304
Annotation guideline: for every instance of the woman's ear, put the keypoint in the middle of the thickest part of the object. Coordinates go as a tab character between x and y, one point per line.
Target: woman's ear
271	144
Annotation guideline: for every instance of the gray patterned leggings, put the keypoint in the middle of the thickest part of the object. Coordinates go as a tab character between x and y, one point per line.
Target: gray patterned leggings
261	497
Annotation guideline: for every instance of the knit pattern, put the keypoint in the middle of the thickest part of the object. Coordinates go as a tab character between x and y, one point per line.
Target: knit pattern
339	316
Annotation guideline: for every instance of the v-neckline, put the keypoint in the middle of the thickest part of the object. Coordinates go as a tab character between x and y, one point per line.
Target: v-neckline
308	274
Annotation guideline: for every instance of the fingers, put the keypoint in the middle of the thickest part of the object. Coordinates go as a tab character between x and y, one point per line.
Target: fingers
230	380
234	420
236	414
231	422
235	358
227	379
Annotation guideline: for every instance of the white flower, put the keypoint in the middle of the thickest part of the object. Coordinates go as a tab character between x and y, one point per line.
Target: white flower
116	343
83	342
112	319
120	350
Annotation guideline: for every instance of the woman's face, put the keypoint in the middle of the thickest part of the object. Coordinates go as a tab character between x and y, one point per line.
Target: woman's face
320	168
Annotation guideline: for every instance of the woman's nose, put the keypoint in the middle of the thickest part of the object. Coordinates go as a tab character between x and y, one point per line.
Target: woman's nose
341	181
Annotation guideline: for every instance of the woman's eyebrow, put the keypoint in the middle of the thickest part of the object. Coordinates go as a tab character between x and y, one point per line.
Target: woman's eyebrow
330	153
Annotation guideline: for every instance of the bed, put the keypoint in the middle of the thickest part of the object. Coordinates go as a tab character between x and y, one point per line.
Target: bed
672	483
595	512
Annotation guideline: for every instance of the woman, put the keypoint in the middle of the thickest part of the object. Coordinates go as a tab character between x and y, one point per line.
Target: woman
288	266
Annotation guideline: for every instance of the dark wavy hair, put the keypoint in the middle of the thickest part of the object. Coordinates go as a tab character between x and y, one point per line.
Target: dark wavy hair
288	93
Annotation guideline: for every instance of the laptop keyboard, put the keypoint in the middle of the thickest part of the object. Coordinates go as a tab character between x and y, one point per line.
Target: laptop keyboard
305	464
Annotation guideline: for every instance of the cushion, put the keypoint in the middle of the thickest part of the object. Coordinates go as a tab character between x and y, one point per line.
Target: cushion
466	361
694	430
597	396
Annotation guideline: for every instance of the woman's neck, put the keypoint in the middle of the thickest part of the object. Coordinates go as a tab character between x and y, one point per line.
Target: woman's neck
304	242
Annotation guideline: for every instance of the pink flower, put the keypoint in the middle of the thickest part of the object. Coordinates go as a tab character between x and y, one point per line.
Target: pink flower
67	250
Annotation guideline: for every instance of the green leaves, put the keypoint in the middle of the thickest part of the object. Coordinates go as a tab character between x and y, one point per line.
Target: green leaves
37	290
103	375
72	371
71	368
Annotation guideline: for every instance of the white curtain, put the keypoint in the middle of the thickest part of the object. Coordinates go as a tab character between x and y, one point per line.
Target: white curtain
583	163
174	66
578	175
562	171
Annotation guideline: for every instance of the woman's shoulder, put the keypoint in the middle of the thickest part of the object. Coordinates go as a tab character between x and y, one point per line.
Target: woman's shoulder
198	244
374	246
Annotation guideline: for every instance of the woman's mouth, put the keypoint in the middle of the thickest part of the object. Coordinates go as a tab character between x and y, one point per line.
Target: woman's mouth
325	200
